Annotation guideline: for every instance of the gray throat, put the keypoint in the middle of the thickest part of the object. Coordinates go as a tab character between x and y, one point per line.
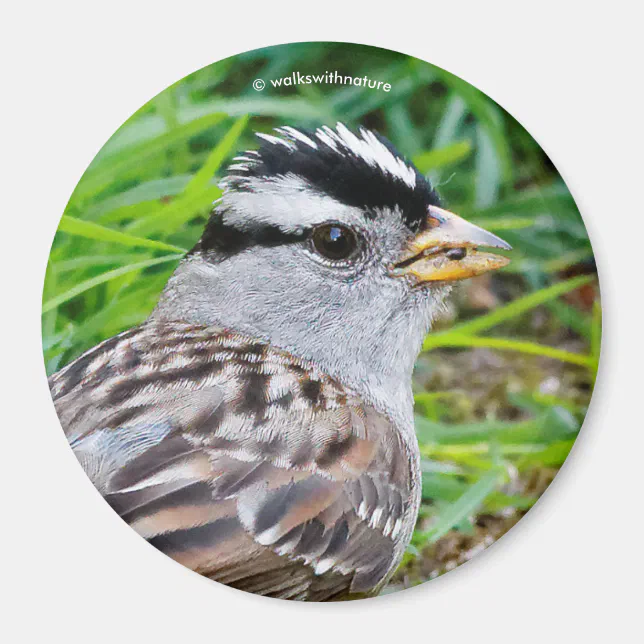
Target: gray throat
371	350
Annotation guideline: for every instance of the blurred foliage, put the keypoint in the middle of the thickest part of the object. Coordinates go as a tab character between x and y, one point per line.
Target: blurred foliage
500	396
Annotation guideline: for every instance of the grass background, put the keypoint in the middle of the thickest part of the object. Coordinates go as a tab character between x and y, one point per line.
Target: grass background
503	383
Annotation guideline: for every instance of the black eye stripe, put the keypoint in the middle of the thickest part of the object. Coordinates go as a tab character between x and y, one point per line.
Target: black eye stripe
332	241
227	240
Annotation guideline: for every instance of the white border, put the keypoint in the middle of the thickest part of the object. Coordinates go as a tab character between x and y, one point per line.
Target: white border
73	72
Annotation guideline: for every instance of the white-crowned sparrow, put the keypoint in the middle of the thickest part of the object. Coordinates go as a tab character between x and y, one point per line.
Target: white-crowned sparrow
258	426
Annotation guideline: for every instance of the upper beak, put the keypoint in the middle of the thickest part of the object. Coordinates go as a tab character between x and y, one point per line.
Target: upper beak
447	250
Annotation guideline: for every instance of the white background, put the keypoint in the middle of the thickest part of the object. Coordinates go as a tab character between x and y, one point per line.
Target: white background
73	72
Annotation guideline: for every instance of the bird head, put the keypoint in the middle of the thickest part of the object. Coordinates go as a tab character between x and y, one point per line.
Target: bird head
332	246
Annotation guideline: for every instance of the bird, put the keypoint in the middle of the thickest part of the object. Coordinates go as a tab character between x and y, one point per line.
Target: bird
258	426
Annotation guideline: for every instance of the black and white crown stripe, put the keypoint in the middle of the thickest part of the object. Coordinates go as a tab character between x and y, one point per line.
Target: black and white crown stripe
361	170
342	141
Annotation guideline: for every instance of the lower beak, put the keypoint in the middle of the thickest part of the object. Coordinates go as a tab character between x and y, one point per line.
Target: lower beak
448	250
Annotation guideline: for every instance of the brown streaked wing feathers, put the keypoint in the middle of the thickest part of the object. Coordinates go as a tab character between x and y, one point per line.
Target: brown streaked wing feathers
290	487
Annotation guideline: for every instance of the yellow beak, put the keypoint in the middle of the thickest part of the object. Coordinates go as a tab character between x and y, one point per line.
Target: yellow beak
447	250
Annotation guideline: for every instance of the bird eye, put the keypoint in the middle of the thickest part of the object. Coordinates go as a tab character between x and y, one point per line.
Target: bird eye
334	242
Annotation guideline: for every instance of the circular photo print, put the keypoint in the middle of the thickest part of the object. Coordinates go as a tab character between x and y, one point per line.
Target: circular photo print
321	322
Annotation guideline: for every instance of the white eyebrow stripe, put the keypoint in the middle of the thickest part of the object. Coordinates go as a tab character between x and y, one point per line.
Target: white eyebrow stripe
287	202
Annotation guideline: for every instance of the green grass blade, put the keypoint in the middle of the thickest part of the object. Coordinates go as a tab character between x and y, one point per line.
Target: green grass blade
487	113
101	279
441	157
596	333
571	317
106	169
450	123
147	127
49	321
507	344
467	504
177	213
509	311
221	152
596	330
442	486
557	264
495	224
547	426
488	176
146	192
402	128
83	262
90	230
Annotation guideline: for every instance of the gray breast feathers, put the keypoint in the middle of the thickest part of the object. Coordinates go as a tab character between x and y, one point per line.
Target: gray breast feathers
240	461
